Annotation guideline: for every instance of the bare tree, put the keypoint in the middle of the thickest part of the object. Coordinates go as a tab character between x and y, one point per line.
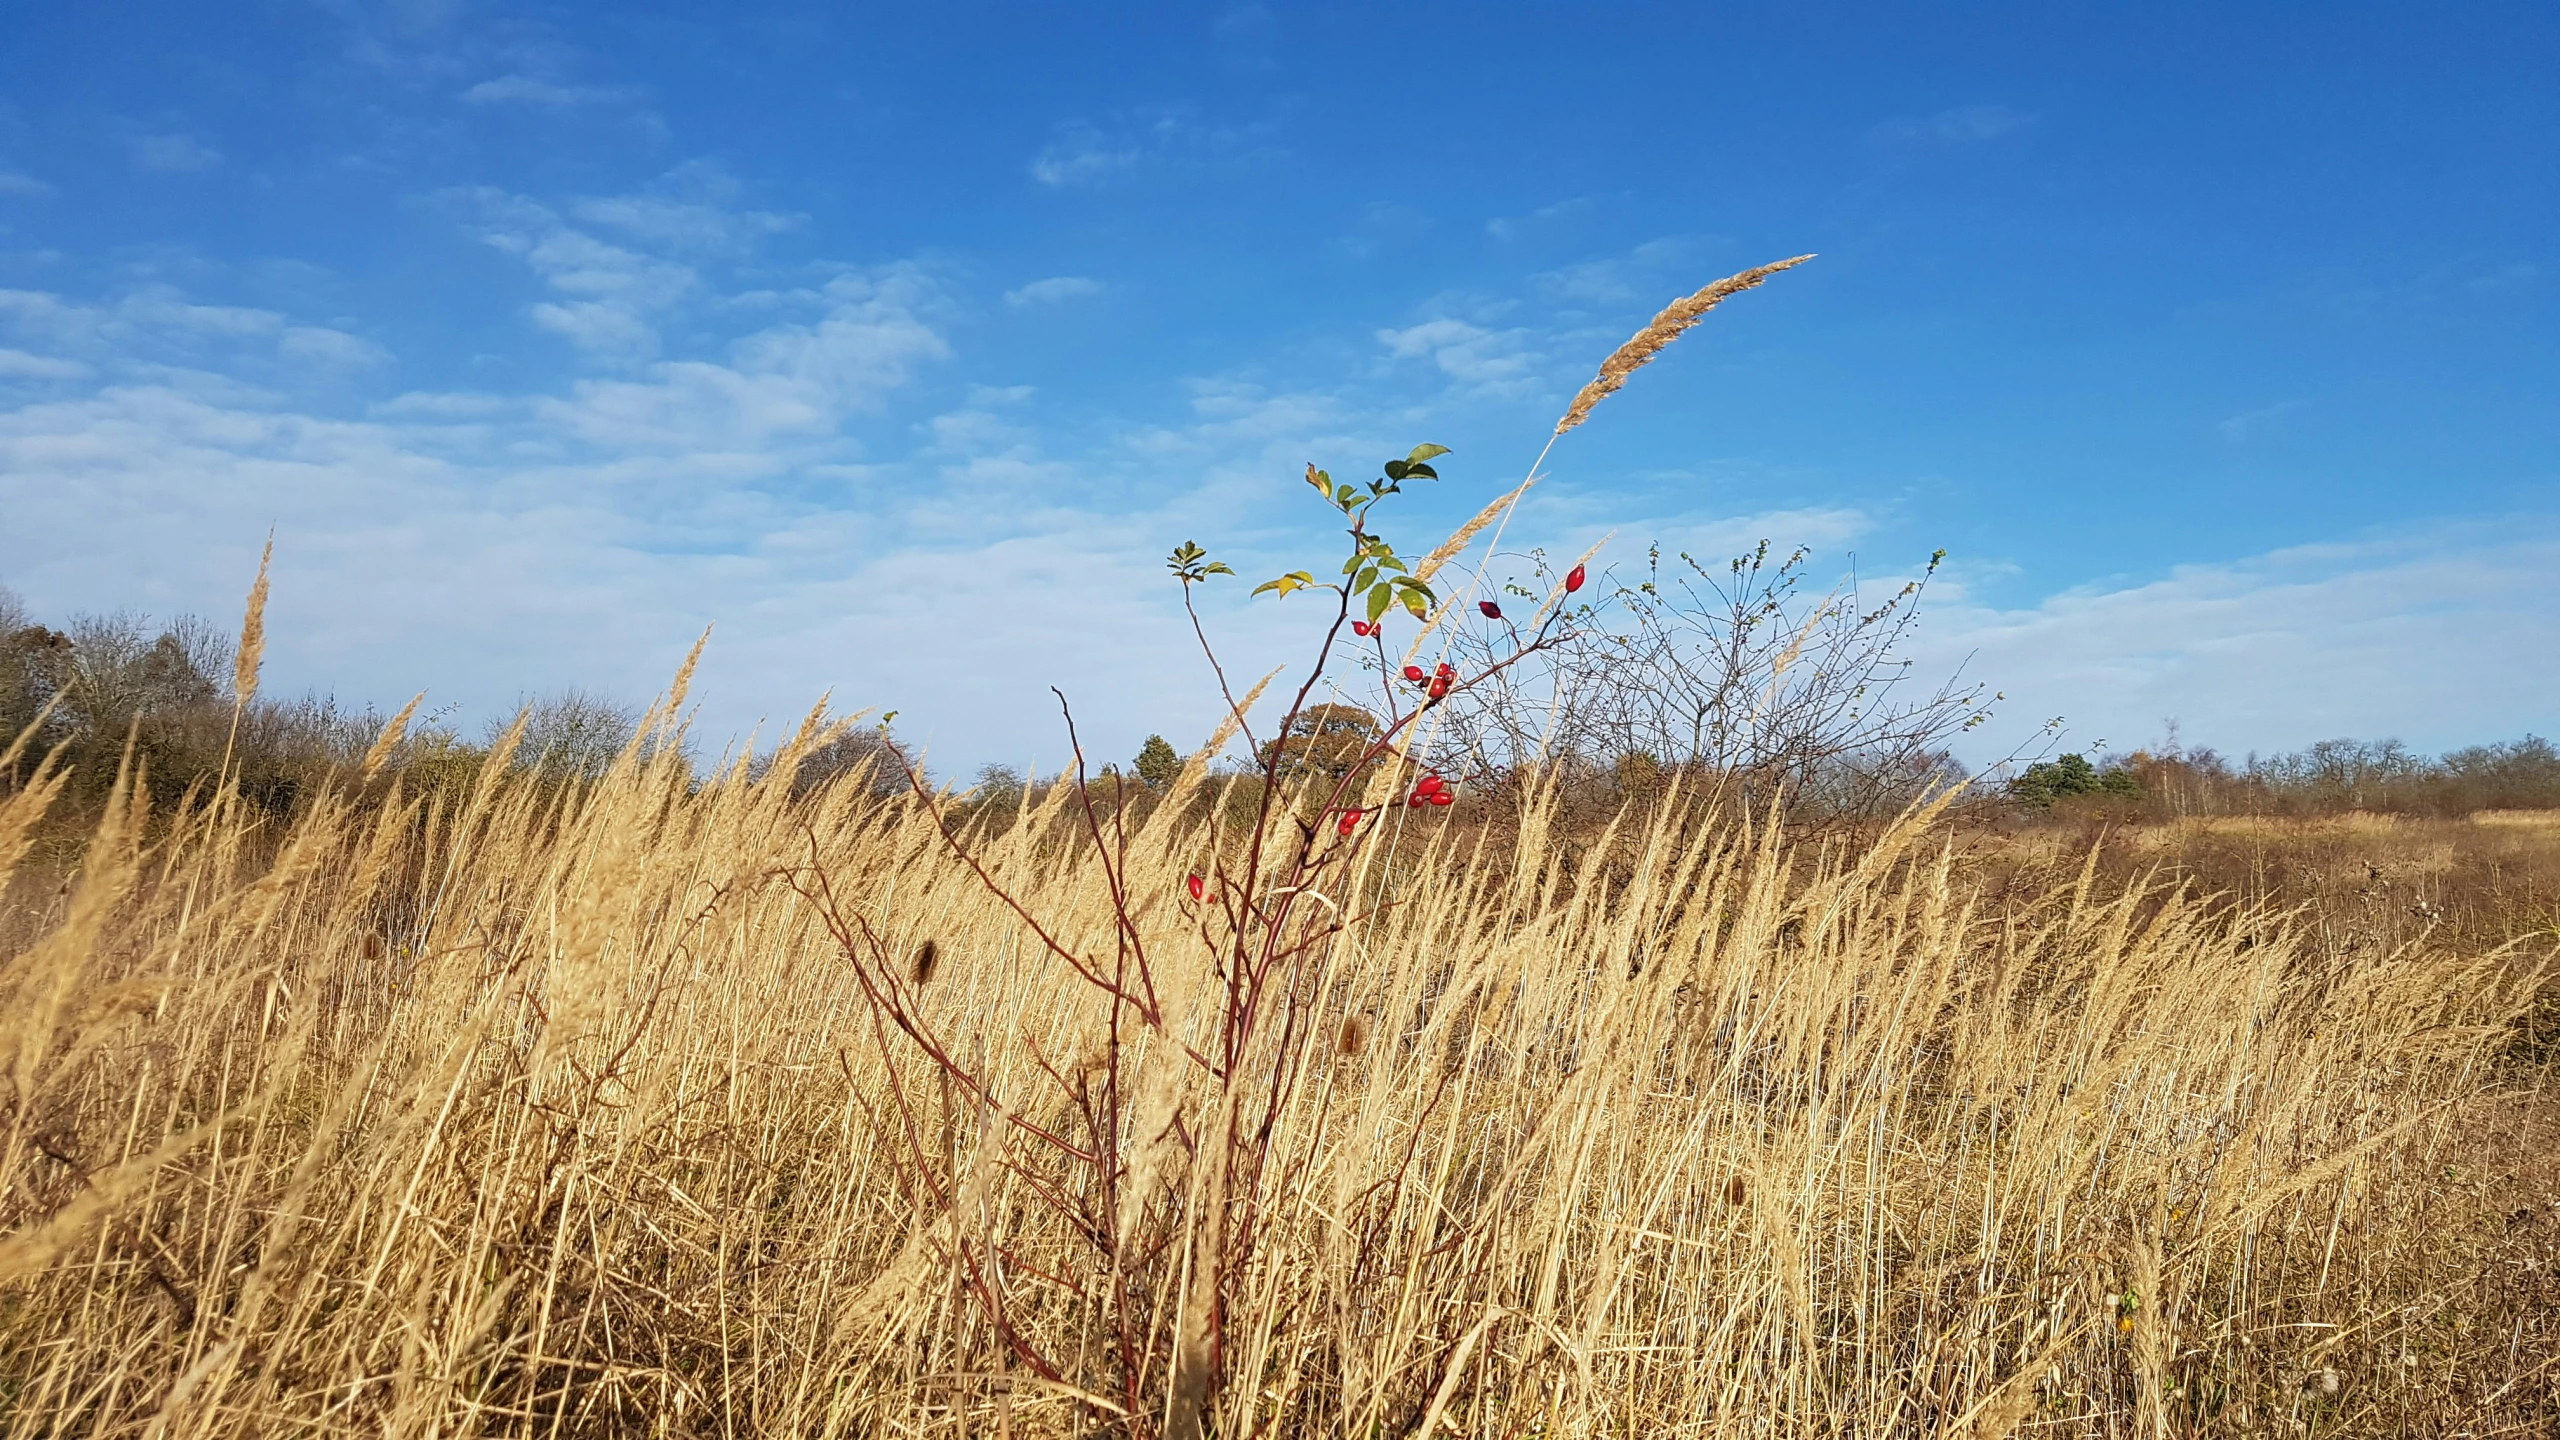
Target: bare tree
573	732
1737	675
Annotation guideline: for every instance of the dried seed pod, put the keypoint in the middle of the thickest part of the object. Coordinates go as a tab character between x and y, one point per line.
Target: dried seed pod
1353	1037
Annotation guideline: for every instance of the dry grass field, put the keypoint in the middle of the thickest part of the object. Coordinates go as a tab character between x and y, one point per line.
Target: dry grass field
449	1096
643	1108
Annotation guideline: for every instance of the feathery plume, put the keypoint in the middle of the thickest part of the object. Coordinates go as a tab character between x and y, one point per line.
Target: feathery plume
1198	764
389	739
1457	541
1670	325
253	633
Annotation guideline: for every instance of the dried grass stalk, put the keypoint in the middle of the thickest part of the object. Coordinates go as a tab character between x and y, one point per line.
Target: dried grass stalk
1458	539
253	632
1670	325
389	740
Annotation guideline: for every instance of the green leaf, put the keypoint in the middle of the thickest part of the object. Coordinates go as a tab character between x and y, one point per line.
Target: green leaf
1343	495
1420	472
1367	578
1417	586
1380	597
1426	452
1397	469
1414	601
1319	479
1390	562
1192	564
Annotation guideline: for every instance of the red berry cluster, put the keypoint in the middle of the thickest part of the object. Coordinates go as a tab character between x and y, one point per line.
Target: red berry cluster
1436	682
1432	790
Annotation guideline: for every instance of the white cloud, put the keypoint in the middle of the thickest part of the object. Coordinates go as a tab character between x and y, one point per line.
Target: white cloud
1081	155
599	328
688	225
157	332
1055	288
13	183
1491	362
800	378
173	153
1641	273
2249	424
1504	227
613	292
2431	634
334	349
526	90
19	365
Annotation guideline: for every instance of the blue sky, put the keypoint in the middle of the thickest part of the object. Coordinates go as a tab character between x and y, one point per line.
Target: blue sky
2215	344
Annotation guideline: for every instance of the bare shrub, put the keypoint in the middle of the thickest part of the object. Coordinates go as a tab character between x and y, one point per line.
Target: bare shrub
1739	679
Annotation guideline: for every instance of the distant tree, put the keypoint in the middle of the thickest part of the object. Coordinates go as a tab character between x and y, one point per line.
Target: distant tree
999	785
1324	741
2047	781
573	732
1158	763
2515	774
859	751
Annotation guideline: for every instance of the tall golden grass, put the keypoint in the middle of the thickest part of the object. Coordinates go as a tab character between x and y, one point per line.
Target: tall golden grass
534	1111
655	1104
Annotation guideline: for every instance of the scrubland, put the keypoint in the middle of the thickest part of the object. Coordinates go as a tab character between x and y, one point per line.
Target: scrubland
1729	1075
640	1106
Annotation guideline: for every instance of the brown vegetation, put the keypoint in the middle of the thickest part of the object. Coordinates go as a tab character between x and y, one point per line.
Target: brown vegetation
566	1110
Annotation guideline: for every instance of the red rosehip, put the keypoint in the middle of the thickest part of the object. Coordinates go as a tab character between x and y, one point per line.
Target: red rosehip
1418	800
1447	671
1431	783
1443	797
1491	610
1362	628
1573	580
1413	673
1440	688
1350	821
1192	883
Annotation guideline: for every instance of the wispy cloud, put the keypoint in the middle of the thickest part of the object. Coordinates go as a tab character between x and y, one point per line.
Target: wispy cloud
1507	227
19	365
1247	36
609	295
174	153
2419	634
528	90
14	183
1484	361
1644	273
2252	424
1054	289
1963	125
1081	154
155	331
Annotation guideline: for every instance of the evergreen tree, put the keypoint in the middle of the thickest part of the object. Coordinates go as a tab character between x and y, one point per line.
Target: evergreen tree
1158	765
